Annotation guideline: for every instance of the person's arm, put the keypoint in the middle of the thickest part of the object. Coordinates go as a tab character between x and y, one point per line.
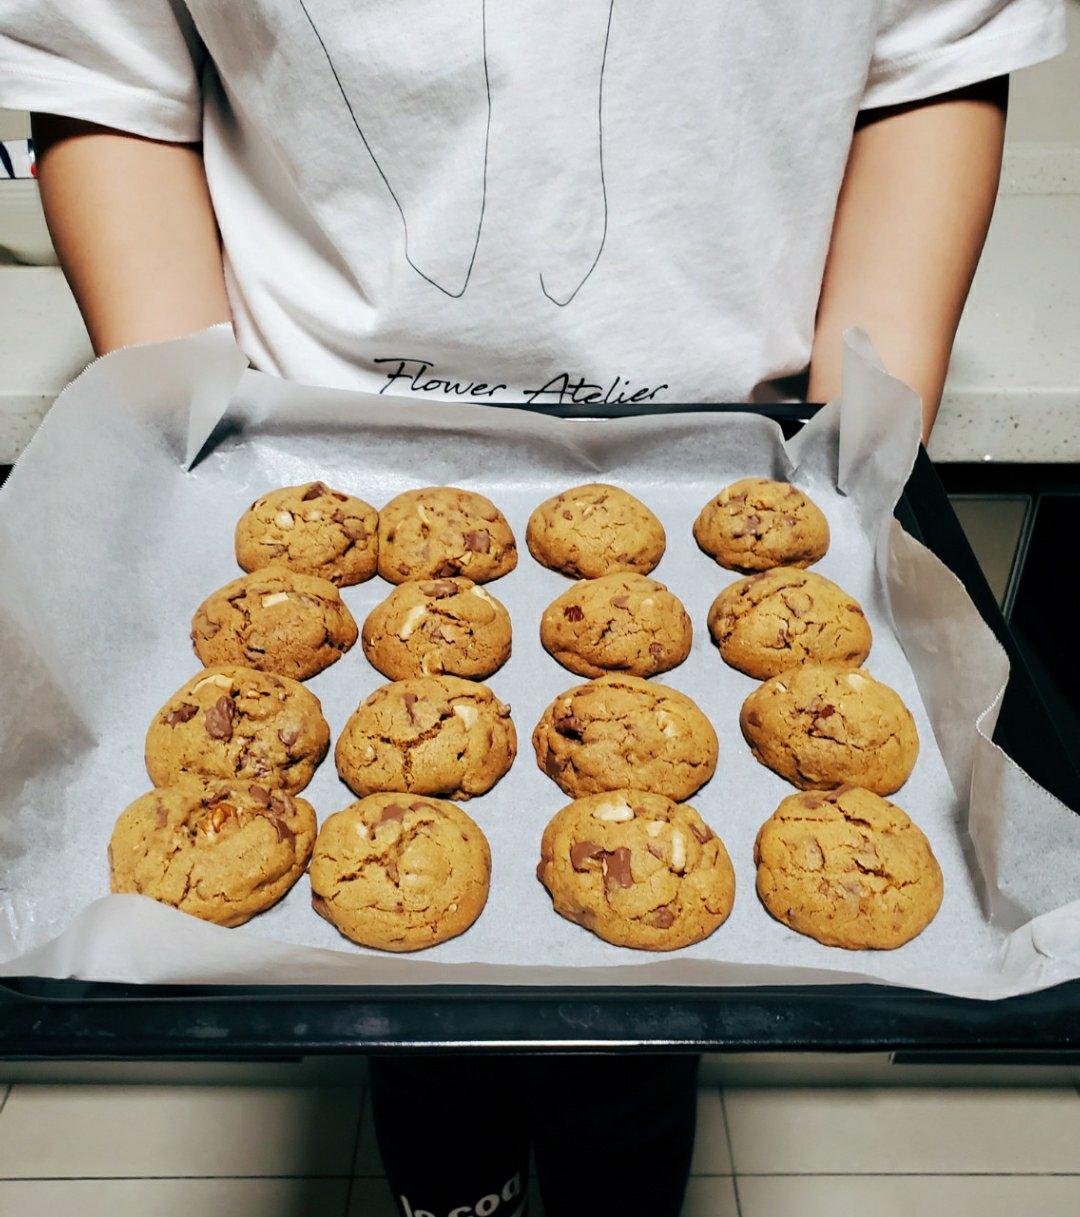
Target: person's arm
134	229
912	216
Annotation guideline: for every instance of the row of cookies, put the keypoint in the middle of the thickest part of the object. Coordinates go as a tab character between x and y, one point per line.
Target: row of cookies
844	867
838	862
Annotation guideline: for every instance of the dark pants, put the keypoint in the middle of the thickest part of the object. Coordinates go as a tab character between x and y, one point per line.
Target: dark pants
610	1134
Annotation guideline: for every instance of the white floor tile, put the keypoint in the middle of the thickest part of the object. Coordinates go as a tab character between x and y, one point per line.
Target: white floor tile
174	1198
919	1131
51	1132
905	1195
712	1198
711	1155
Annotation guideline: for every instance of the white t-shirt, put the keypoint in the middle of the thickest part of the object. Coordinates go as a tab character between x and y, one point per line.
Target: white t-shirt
553	201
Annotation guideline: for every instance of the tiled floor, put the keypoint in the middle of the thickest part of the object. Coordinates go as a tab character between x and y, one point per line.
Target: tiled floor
305	1151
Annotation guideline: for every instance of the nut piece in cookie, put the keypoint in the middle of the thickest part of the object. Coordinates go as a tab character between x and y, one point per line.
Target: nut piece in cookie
275	620
231	722
618	623
435	735
637	869
222	851
312	529
622	731
440	532
781	618
756	524
400	873
822	726
595	530
847	868
429	627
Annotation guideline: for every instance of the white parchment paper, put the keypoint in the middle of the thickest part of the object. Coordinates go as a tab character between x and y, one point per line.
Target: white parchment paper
118	521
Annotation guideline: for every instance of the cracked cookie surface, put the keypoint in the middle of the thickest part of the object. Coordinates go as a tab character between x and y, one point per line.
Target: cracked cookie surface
400	873
431	627
781	618
847	868
221	851
312	529
233	722
622	731
275	620
618	623
822	726
756	524
442	531
437	735
595	530
637	869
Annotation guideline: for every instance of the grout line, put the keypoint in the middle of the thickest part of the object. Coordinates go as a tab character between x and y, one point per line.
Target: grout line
731	1153
909	1175
741	1175
6	1096
157	1178
355	1151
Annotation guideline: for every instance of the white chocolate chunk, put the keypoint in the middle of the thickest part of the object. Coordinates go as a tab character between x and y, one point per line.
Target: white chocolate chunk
424	517
615	810
654	827
855	680
284	519
412	619
479	591
274	598
666	723
215	678
678	852
313	517
362	830
466	713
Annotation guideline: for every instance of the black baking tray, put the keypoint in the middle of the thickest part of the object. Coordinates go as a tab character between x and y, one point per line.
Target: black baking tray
66	1019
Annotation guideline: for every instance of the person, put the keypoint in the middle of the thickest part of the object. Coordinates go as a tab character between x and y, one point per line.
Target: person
604	202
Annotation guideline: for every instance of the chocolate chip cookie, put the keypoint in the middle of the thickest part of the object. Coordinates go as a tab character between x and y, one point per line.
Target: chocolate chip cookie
432	735
784	617
400	873
230	722
755	524
637	870
622	731
312	529
433	626
847	868
822	726
595	530
222	851
275	620
441	531
618	623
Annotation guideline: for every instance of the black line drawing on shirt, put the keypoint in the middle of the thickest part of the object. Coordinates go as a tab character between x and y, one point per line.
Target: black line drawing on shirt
454	294
563	300
571	236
